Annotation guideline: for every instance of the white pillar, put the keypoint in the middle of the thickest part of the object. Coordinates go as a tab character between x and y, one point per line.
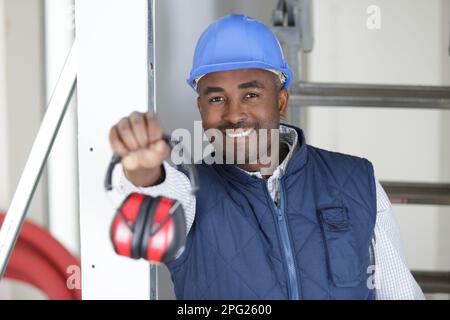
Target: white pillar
63	162
112	82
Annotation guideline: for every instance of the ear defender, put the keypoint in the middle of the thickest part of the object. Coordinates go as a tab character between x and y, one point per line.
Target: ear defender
151	228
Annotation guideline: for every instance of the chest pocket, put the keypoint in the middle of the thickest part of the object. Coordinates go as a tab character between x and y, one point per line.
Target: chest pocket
344	264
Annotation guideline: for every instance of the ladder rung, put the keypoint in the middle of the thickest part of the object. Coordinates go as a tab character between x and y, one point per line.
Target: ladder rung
417	193
368	95
433	281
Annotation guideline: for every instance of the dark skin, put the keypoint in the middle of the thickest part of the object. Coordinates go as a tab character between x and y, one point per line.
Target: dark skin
245	98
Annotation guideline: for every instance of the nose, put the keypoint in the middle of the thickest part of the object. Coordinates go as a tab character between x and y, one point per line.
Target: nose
235	112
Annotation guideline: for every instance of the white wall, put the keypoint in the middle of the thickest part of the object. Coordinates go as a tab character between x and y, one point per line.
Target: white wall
21	108
22	99
405	145
4	163
444	58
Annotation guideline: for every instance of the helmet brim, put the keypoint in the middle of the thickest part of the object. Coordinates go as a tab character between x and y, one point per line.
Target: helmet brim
203	70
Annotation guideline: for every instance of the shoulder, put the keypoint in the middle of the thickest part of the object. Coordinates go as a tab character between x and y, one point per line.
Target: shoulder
337	165
346	172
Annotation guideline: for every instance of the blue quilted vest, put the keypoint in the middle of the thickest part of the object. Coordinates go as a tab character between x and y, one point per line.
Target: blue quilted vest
316	244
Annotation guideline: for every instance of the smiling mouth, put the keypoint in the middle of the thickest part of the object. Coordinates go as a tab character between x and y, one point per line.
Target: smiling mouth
238	133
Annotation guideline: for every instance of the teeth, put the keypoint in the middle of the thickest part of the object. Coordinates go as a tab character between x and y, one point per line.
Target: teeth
238	134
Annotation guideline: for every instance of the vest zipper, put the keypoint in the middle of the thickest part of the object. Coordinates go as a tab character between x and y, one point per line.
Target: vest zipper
287	248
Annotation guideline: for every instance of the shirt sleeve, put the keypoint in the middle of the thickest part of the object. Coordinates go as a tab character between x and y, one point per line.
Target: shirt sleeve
393	279
176	185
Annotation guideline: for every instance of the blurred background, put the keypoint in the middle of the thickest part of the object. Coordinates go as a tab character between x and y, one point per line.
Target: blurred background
410	47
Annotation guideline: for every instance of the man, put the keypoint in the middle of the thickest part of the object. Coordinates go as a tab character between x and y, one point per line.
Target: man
316	226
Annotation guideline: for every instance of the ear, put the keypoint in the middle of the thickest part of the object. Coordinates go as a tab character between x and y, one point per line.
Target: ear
283	99
199	105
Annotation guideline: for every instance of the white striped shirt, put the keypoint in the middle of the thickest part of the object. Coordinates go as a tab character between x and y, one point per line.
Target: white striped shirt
393	279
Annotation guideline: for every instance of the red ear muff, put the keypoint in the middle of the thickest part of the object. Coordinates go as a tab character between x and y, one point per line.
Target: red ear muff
165	231
148	227
139	226
123	225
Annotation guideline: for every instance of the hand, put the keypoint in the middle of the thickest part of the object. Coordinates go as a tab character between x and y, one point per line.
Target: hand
138	140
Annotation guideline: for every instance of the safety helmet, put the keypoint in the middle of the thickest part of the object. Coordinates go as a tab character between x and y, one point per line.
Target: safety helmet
236	42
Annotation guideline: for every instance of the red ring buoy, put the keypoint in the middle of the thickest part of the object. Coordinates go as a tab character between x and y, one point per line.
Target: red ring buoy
41	261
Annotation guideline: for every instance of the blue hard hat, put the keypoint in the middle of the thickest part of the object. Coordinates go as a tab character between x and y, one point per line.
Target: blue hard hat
236	42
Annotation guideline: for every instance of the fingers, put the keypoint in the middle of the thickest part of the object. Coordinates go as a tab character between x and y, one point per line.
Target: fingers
155	129
138	140
138	127
148	158
117	145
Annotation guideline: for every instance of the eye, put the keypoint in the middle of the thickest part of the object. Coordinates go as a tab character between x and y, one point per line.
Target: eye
216	99
251	95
